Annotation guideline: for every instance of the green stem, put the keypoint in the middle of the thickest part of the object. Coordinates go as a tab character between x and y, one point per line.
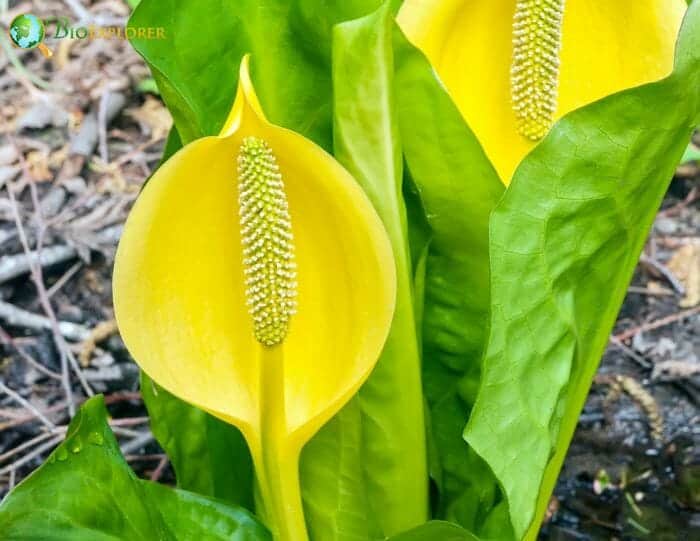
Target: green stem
277	457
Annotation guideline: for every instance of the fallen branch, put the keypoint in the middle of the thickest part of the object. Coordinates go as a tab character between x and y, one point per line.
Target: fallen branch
693	194
21	318
158	472
19	421
12	266
64	279
636	357
661	292
87	138
114	398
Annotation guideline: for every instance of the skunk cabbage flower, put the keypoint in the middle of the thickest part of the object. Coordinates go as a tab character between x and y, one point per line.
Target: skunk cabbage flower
255	281
513	67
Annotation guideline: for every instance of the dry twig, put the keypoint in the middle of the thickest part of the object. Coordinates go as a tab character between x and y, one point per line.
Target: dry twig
32	442
141	440
641	361
663	271
28	405
656	324
31	456
12	266
158	472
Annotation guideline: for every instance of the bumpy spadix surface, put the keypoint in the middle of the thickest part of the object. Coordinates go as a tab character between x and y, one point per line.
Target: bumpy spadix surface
606	46
268	243
534	72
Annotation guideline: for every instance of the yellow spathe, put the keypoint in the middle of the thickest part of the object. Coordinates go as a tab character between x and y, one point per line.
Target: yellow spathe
180	296
606	46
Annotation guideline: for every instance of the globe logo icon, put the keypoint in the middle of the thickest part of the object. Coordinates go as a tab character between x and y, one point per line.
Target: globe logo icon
27	32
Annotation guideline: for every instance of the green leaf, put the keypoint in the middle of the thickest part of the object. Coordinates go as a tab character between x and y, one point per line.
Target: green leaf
434	531
458	188
391	401
86	492
196	66
195	518
172	145
209	456
334	489
564	242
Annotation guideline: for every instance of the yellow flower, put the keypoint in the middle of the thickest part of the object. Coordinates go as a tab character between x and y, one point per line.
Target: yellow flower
255	281
515	66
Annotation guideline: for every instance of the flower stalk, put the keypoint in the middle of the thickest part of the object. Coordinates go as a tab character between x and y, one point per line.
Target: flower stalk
277	459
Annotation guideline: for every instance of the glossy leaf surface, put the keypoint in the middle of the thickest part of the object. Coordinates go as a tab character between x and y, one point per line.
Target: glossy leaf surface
87	492
192	517
198	83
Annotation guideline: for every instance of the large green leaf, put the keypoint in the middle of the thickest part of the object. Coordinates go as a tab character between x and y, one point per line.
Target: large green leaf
334	488
196	67
564	241
86	492
194	518
458	188
209	456
390	403
434	531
